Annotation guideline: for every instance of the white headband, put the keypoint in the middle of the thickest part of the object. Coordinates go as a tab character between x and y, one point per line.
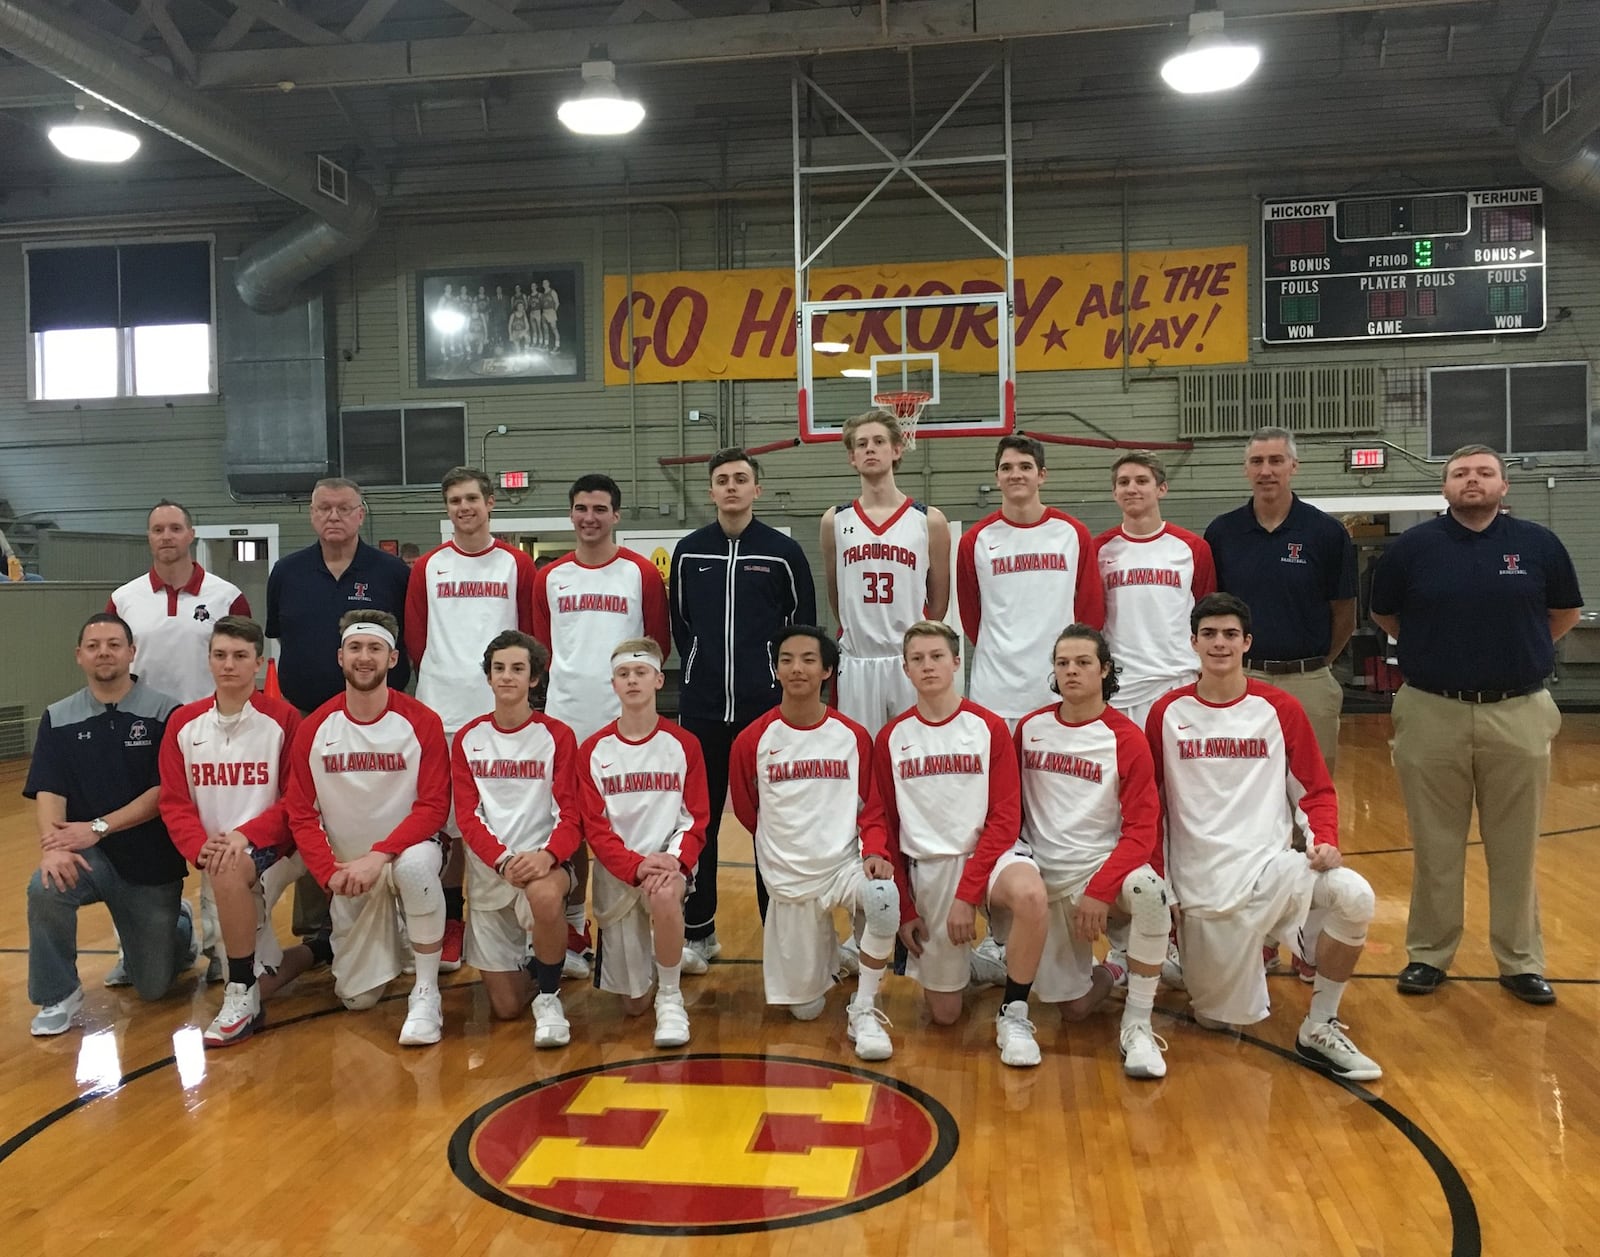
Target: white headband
369	630
634	656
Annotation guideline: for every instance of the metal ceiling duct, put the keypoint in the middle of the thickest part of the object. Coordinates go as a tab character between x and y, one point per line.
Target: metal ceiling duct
1557	140
270	273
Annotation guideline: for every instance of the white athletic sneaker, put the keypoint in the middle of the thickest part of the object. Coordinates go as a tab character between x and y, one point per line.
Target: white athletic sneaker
574	966
118	975
1141	1049
693	963
240	1017
707	948
424	1017
672	1020
810	1010
847	959
551	1028
1013	1035
866	1028
214	972
988	963
1116	963
1326	1045
1172	968
57	1018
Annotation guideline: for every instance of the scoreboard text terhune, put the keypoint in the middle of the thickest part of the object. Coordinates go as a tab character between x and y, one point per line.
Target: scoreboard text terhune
1402	264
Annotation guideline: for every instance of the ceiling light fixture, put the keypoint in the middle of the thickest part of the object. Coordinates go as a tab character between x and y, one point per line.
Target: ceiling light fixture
1212	62
93	135
600	108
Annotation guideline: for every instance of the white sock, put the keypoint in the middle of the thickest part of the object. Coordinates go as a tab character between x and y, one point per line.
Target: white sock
1141	999
667	978
575	916
867	987
1325	997
428	968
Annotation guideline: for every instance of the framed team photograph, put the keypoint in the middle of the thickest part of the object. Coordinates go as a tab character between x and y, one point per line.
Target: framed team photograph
518	324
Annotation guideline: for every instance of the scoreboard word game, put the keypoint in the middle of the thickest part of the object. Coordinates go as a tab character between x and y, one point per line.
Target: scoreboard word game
1403	264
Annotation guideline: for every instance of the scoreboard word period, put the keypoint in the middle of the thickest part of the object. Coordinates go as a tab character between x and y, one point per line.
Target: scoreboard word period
1403	264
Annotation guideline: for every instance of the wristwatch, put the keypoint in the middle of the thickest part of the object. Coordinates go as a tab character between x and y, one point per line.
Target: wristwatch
100	826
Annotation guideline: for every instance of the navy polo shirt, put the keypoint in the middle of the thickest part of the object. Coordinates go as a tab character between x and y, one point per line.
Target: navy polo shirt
1473	606
1287	576
304	603
102	756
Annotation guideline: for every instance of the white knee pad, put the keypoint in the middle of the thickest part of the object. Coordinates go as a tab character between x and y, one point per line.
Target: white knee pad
880	909
1144	895
1350	903
363	1001
416	879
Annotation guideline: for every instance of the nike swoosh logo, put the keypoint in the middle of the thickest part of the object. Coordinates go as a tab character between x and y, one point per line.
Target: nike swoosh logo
331	742
608	765
476	750
996	546
1184	726
705	567
1036	739
561	586
199	741
906	747
772	752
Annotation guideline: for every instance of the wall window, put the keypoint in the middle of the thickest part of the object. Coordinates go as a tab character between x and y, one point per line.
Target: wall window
1539	408
121	320
382	446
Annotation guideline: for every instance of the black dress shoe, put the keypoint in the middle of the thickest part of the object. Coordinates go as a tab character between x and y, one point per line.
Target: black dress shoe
1530	988
1420	979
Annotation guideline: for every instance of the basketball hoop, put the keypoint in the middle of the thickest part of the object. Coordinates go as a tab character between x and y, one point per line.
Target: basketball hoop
906	406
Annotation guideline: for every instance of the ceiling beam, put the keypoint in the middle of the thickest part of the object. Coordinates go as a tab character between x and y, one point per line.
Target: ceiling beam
372	12
490	14
286	20
182	54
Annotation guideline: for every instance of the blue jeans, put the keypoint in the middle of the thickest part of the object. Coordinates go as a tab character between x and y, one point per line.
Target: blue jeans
156	938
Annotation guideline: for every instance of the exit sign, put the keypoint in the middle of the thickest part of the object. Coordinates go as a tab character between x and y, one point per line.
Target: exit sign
513	480
1365	458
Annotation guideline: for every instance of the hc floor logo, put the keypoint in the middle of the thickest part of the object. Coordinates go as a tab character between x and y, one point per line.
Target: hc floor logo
703	1145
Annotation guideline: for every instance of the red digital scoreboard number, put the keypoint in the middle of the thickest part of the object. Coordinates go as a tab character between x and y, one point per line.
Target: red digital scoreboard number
513	480
1365	458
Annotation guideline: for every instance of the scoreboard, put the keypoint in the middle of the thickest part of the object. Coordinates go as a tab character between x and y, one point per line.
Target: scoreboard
1403	264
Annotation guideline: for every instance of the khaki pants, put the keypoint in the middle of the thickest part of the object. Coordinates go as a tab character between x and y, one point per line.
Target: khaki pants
1323	698
1448	753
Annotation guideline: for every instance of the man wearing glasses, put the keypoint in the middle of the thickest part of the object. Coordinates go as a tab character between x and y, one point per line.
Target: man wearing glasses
307	592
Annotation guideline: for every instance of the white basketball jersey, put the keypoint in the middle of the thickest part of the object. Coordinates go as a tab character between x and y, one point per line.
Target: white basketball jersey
882	572
1152	583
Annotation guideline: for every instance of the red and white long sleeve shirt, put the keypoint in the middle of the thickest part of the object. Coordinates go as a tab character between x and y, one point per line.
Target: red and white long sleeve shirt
949	789
810	798
1090	809
643	798
221	773
357	786
516	790
1236	780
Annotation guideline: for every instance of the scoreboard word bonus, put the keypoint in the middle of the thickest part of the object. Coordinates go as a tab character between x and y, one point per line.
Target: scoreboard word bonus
1403	264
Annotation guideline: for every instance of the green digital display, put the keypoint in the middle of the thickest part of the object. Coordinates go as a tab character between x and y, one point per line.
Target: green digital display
1422	252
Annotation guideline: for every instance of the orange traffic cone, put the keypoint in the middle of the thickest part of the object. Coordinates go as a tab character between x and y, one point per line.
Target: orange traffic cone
270	687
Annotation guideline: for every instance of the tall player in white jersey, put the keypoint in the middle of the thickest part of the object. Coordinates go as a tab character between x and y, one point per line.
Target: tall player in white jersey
642	786
802	783
369	789
1239	770
947	774
1153	572
1091	818
583	605
461	594
514	774
888	563
1021	574
224	765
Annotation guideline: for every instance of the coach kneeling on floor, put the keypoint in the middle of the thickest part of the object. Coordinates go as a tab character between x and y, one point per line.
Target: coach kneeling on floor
1477	601
95	782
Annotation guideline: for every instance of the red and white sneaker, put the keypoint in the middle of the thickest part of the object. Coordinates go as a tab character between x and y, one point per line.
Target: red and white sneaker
580	953
455	933
241	1016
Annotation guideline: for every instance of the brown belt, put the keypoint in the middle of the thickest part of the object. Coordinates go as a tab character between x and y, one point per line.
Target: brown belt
1281	667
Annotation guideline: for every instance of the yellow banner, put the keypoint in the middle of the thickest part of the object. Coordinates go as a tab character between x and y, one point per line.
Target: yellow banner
1185	307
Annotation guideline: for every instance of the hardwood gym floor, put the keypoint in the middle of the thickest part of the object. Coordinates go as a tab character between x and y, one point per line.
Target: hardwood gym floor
321	1136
